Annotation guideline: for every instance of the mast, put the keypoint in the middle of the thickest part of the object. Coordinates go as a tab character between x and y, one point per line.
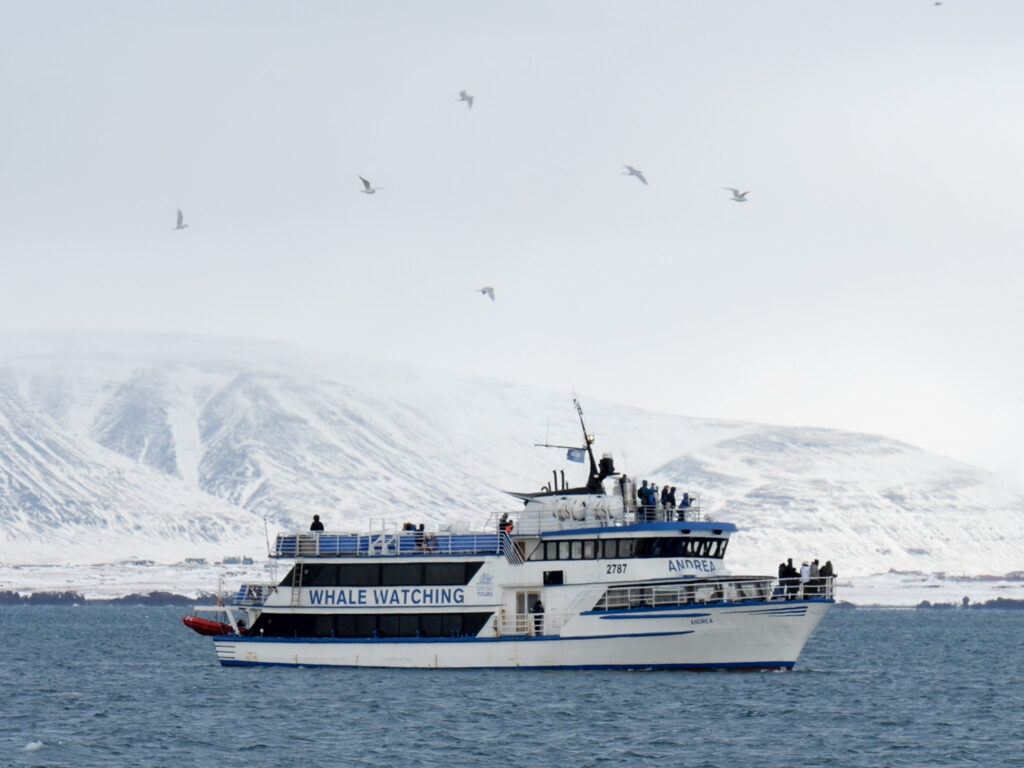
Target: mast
594	481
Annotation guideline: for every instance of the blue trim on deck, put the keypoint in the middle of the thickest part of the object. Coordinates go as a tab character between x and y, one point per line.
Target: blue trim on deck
613	531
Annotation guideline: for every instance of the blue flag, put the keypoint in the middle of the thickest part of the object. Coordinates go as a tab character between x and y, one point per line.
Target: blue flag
576	454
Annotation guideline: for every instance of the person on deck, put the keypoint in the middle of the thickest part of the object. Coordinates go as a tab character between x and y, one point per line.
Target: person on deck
538	617
642	493
316	525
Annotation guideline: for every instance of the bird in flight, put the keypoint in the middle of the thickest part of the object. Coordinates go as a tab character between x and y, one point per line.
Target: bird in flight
739	197
367	188
631	171
181	221
467	97
487	290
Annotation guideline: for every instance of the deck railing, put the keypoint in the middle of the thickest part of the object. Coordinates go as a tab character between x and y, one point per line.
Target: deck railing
253	594
735	589
385	543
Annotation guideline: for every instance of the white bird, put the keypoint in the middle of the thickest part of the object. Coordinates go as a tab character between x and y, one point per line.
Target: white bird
487	290
181	220
367	189
467	97
32	746
739	197
631	171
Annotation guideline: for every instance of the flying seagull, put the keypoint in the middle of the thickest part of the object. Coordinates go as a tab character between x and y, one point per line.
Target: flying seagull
367	188
467	97
181	220
739	197
631	171
487	290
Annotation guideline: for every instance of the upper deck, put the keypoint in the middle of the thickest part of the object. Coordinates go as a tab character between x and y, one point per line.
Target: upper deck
552	518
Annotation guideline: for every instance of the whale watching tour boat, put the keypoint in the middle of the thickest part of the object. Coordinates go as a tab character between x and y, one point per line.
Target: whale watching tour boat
578	578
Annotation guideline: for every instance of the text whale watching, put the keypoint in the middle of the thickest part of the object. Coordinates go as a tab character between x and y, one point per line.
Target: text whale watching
604	575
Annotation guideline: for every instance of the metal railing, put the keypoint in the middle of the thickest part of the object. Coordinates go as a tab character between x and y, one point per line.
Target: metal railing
730	590
253	594
513	553
316	544
529	624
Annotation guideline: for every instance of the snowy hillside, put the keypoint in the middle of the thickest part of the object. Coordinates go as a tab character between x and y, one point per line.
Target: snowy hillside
114	446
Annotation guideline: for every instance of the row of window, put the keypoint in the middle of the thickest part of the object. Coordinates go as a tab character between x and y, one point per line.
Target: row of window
620	549
369	625
384	575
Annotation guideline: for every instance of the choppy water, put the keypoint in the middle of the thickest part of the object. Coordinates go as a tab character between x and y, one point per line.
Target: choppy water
132	687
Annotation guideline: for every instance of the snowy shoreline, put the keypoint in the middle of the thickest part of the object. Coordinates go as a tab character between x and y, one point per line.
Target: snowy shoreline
191	581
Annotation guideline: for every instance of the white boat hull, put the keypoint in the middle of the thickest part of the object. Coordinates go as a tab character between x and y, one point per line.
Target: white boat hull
740	636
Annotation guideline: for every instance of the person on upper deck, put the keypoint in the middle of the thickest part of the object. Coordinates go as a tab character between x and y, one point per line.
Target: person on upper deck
316	525
666	497
642	493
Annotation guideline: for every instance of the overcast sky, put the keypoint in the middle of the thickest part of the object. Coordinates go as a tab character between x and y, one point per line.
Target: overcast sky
872	282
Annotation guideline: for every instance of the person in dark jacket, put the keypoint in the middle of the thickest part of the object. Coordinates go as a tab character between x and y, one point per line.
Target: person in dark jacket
316	525
792	580
643	493
538	617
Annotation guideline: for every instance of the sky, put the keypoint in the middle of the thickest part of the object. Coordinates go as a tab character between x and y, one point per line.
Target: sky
872	282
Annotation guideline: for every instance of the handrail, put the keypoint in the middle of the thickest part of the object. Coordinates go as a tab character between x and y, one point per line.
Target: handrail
530	624
323	544
253	594
511	549
705	591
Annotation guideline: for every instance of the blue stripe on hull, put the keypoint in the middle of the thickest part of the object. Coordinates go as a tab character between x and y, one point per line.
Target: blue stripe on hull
738	666
439	640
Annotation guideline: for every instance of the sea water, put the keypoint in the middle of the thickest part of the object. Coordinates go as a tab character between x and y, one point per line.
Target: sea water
131	686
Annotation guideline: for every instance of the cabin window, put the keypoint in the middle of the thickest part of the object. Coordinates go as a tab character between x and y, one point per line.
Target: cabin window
361	575
589	549
449	573
389	625
452	625
551	550
366	625
576	550
538	552
402	574
430	625
563	550
611	548
625	548
553	578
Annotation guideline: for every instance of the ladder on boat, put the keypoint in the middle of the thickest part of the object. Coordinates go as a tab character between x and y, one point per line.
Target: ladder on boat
296	583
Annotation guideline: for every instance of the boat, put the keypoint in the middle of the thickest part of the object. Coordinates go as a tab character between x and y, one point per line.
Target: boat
582	577
206	626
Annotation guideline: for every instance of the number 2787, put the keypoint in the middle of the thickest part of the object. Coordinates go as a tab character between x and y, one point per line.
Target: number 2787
616	567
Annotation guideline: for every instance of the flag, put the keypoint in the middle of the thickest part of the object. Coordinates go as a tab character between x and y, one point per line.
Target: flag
575	454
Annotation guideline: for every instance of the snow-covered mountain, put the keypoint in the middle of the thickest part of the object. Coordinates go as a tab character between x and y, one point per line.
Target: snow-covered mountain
114	446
